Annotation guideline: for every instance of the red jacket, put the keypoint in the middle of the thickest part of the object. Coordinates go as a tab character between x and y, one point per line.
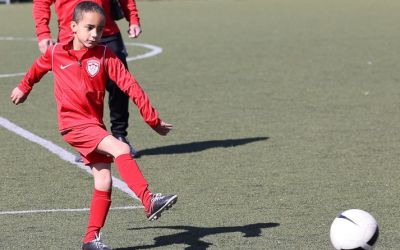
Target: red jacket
79	84
64	9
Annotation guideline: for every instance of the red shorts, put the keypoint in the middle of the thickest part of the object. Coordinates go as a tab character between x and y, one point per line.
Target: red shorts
85	140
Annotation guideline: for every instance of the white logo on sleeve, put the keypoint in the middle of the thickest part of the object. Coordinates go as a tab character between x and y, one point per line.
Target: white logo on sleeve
93	67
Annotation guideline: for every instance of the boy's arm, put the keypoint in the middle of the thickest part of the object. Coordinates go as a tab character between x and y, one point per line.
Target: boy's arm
128	84
41	13
39	68
132	16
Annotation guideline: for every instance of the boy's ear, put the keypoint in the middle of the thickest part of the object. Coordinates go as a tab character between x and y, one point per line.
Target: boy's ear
74	26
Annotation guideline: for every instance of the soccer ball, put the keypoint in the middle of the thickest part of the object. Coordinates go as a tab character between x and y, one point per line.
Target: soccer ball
354	229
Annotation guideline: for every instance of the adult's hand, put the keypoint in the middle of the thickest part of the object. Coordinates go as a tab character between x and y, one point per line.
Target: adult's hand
44	44
134	31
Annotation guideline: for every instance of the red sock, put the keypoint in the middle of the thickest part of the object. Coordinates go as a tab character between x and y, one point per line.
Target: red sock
101	202
131	174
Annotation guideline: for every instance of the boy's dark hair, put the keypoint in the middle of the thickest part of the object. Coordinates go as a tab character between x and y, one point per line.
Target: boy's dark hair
86	6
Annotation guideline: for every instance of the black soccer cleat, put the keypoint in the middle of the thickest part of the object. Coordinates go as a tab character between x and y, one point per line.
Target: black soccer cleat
78	158
95	244
159	203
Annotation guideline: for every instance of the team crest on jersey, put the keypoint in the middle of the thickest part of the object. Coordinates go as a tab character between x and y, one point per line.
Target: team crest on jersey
93	67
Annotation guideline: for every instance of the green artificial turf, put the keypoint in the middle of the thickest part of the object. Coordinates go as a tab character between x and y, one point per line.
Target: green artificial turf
285	113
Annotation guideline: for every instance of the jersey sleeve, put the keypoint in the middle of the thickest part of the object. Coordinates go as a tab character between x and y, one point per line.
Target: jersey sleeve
130	11
127	83
41	13
39	68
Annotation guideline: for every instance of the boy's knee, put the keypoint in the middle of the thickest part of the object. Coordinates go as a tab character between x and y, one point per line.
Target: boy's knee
123	149
103	184
126	148
102	176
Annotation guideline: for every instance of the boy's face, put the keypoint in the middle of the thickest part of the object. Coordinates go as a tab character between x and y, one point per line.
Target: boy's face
87	30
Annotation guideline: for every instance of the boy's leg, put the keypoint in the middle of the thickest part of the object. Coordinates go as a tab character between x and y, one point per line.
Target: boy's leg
85	140
133	177
129	171
127	168
101	200
154	204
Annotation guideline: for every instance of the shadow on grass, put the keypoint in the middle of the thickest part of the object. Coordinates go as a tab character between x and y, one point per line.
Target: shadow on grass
192	235
199	146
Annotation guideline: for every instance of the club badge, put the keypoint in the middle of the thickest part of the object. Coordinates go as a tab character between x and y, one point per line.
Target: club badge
93	67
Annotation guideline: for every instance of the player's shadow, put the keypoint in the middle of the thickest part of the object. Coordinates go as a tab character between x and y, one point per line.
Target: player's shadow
199	146
191	236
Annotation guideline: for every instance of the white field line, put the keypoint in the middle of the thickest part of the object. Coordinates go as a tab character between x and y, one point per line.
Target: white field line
62	210
154	50
12	75
59	151
12	38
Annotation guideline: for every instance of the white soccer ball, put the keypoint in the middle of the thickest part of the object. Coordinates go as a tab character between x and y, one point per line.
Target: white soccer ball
354	229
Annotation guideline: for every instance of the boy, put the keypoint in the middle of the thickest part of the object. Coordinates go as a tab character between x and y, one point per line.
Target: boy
118	102
81	69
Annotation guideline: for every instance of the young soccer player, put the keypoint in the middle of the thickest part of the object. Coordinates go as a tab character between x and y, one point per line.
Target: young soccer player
81	69
118	101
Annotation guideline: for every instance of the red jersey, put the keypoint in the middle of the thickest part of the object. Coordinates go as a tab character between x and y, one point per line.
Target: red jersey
64	9
79	84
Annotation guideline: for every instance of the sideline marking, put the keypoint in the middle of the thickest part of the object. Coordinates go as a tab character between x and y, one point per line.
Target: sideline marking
12	75
62	210
12	38
154	50
62	153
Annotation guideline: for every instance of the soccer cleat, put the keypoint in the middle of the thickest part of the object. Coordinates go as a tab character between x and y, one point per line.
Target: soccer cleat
78	158
95	244
134	152
159	203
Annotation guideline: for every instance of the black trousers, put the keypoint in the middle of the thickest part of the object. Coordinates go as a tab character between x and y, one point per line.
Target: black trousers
118	101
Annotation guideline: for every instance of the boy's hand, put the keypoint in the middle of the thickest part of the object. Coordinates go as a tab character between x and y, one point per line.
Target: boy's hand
134	31
163	128
17	96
